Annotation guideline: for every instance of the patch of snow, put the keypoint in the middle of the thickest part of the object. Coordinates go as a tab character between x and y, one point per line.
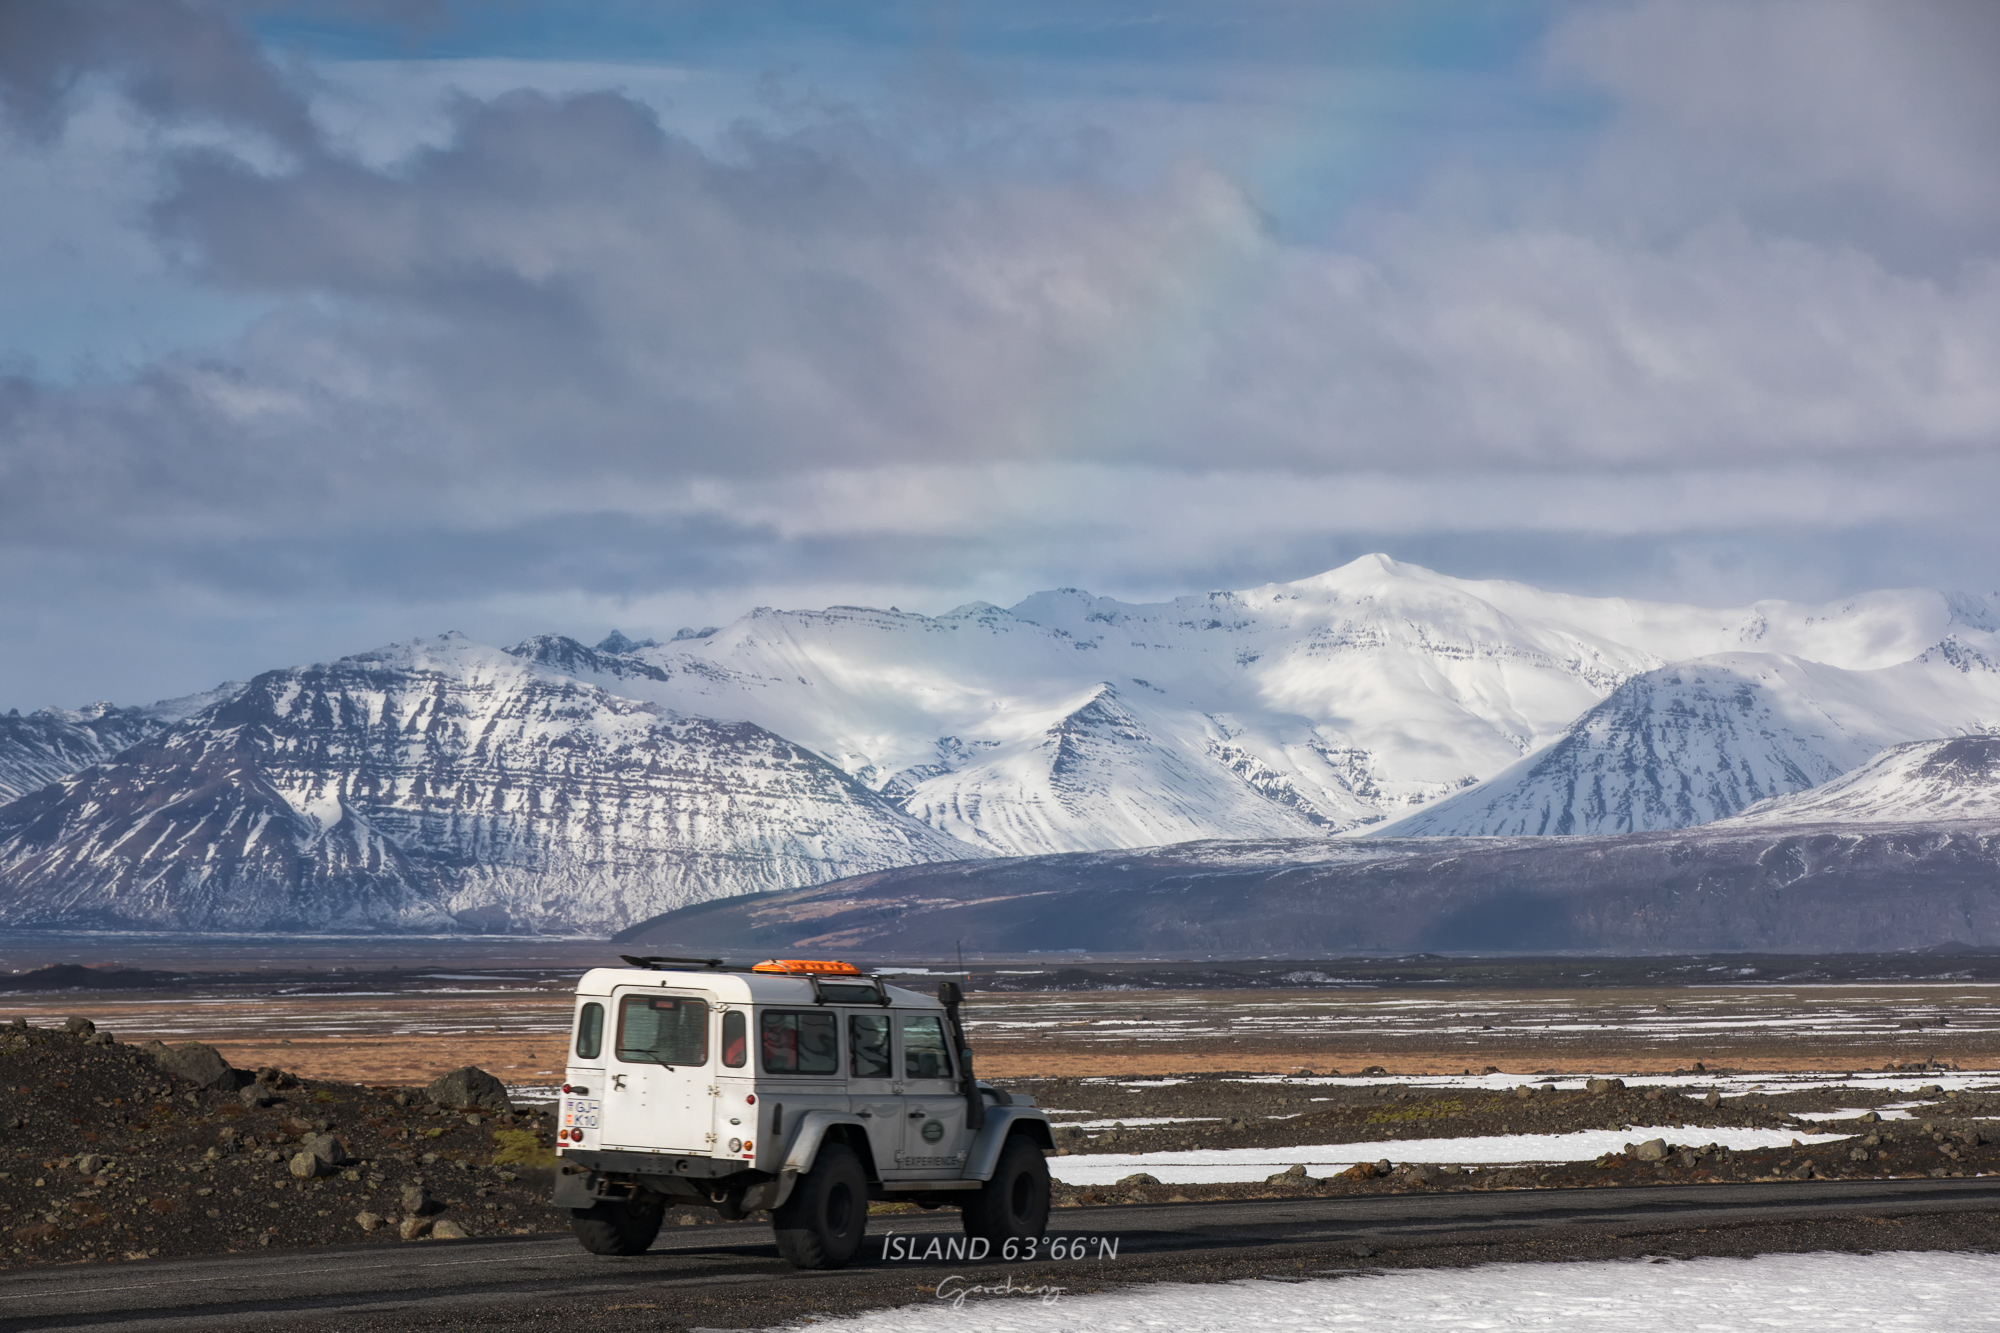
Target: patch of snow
1219	1166
1895	1292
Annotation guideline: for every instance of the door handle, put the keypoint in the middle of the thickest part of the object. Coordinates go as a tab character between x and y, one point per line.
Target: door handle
918	1115
618	1081
866	1115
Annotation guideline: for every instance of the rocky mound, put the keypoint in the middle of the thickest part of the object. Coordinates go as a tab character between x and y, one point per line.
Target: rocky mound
111	1151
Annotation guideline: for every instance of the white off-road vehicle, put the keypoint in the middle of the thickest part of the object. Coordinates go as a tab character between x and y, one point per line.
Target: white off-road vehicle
806	1088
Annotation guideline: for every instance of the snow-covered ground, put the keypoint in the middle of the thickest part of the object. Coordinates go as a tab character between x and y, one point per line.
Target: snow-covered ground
1729	1085
1821	1293
1216	1166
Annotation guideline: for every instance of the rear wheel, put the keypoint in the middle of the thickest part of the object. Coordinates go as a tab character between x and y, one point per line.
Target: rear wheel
822	1224
617	1228
1015	1203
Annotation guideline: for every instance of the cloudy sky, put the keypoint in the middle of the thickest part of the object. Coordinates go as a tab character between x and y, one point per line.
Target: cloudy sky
323	325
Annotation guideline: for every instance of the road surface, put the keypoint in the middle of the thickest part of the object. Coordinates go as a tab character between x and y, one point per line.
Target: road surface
729	1276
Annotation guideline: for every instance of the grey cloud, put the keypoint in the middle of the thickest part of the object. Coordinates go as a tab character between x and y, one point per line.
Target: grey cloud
1866	122
570	353
175	59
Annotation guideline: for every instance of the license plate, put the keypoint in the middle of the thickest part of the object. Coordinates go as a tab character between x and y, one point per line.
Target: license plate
580	1115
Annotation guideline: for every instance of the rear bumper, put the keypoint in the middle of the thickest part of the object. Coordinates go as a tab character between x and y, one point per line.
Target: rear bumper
585	1177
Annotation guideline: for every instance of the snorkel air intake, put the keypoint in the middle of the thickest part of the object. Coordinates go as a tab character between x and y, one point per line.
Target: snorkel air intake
950	996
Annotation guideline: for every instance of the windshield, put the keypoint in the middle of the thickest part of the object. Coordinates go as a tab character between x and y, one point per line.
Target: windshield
663	1030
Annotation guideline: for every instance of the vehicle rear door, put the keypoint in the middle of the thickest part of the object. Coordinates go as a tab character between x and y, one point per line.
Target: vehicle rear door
659	1091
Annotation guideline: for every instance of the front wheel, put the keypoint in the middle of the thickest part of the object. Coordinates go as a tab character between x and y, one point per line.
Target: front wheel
822	1224
617	1228
1015	1203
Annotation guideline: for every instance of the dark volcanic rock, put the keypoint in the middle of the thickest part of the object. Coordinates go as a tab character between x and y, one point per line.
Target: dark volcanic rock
198	1064
1815	889
469	1087
112	1156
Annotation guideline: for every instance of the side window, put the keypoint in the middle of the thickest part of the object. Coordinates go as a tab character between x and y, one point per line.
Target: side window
868	1045
924	1052
663	1030
590	1032
800	1043
735	1038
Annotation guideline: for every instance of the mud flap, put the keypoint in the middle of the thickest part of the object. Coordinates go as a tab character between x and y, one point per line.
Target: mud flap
771	1193
576	1187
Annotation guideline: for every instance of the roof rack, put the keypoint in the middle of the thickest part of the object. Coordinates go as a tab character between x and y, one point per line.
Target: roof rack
666	962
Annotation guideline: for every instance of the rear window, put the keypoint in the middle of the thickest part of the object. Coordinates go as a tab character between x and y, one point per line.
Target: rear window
799	1042
924	1051
663	1030
590	1032
735	1038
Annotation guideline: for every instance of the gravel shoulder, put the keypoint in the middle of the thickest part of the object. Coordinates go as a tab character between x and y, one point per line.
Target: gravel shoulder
116	1152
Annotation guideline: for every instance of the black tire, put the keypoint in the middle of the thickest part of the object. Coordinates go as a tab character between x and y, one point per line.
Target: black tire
617	1228
822	1224
1015	1203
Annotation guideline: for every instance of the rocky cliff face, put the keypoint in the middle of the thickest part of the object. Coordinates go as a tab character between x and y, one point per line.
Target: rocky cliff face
52	743
437	785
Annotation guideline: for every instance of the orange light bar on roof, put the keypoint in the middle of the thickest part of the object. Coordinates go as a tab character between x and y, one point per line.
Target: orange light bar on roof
823	966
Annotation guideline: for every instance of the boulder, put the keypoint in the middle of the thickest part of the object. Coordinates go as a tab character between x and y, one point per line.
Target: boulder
1600	1086
368	1221
417	1202
414	1227
1423	1171
446	1229
468	1089
1713	1100
307	1166
196	1063
327	1148
1652	1150
1139	1178
1291	1175
89	1164
256	1095
78	1026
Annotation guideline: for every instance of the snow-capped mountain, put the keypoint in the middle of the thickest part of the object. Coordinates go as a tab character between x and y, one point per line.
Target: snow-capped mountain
555	785
1071	722
436	785
51	743
1955	780
1703	740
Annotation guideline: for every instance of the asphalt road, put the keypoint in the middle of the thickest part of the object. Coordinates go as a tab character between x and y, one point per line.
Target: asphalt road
730	1276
